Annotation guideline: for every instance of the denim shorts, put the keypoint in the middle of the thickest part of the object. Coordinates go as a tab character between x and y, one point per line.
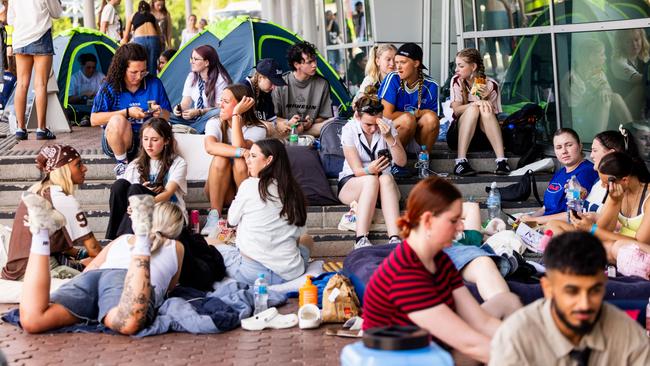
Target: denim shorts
130	153
462	255
246	270
41	47
91	295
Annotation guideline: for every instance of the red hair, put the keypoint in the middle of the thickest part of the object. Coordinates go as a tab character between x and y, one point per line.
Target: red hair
432	194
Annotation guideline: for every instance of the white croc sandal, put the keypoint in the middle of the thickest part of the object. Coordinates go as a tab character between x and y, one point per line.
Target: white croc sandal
269	318
309	317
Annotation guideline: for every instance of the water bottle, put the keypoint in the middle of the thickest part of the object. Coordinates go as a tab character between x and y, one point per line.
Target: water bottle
423	161
647	319
494	202
293	135
573	200
261	294
194	220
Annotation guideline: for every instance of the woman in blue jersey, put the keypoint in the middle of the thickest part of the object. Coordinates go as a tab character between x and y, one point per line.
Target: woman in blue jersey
568	151
410	98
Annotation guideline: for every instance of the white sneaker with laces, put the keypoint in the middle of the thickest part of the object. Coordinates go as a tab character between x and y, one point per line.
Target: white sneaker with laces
363	242
141	211
211	223
41	215
394	240
120	169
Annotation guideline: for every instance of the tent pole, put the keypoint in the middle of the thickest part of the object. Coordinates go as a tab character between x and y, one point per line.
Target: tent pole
89	14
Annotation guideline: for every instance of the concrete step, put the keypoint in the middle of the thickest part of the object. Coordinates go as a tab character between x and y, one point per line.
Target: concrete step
97	192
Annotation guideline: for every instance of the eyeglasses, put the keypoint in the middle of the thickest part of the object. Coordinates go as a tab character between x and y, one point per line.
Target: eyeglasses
196	59
141	73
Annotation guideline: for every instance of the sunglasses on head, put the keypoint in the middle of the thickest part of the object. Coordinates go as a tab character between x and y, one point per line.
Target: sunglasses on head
372	109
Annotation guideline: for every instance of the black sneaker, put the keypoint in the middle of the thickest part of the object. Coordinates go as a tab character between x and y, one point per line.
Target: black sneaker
502	168
463	169
45	135
21	134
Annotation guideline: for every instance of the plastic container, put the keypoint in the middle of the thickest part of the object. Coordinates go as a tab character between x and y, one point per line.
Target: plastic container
308	293
573	197
391	346
261	294
293	135
423	162
494	202
194	219
543	242
647	319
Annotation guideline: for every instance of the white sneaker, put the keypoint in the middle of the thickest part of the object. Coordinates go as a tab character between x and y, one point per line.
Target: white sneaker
363	242
211	223
395	240
309	317
41	214
141	211
349	219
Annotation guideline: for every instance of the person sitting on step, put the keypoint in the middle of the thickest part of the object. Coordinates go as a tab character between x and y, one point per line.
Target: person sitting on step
266	78
228	139
370	144
410	99
63	171
476	101
269	201
128	97
121	288
203	89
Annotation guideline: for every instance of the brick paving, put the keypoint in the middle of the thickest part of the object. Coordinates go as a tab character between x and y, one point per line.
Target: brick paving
238	347
87	140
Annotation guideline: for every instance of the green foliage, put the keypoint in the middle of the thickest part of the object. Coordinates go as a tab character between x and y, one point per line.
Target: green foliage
61	24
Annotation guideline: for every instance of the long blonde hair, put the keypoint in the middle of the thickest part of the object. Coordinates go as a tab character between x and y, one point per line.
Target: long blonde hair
623	36
372	69
61	177
167	223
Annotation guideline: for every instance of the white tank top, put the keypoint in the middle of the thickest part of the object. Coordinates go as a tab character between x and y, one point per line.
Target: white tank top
163	267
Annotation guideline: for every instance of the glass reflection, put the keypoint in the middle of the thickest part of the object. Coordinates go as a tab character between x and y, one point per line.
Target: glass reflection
585	11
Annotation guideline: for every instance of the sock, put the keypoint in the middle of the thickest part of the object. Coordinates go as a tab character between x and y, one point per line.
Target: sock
120	157
142	246
500	159
41	242
460	160
40	130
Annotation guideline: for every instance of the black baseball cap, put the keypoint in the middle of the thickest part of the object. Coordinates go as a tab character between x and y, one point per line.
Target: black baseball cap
272	70
412	51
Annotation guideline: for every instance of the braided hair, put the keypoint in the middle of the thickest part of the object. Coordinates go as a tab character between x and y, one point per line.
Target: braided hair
420	83
472	56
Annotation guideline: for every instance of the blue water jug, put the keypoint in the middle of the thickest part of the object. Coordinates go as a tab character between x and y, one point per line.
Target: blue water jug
395	345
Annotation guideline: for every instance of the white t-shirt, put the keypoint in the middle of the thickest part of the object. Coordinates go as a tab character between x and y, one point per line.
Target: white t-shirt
110	15
81	85
31	19
186	35
262	234
192	91
177	173
163	266
76	221
251	133
594	201
352	136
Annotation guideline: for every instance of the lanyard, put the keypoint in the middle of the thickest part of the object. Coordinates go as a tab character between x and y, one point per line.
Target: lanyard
371	153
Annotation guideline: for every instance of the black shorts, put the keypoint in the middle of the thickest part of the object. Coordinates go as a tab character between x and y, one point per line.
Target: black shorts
479	142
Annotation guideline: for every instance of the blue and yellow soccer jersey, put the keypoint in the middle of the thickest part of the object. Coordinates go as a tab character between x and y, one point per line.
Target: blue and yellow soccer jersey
406	100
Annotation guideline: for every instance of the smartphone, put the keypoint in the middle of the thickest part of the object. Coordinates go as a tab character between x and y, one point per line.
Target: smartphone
154	184
575	214
386	153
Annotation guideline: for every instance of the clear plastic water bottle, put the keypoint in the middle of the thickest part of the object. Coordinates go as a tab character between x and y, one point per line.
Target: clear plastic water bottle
261	294
423	162
293	135
573	199
494	201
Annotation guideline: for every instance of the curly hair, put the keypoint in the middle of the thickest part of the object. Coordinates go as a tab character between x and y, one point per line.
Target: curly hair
472	56
143	161
295	53
117	70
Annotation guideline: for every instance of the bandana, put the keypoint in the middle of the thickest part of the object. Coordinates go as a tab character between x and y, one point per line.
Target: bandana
55	156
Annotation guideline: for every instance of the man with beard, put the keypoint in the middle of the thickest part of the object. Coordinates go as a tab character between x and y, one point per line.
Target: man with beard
571	325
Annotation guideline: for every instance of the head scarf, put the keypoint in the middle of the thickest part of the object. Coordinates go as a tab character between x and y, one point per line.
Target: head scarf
51	157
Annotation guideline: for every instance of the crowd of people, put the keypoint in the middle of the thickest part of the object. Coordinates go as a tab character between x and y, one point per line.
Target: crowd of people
245	126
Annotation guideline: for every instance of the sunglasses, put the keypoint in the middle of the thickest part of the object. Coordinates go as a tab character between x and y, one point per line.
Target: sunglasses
372	109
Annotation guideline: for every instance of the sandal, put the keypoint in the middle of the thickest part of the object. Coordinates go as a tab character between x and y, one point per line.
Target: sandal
269	318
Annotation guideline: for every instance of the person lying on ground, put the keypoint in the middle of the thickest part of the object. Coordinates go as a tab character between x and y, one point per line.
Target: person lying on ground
571	324
121	288
270	213
63	171
228	139
128	98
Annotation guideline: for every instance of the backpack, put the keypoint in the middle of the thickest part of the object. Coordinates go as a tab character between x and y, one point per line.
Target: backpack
518	129
331	151
520	191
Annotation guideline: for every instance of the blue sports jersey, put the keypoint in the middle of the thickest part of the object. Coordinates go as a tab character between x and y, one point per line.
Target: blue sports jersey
151	88
407	100
555	197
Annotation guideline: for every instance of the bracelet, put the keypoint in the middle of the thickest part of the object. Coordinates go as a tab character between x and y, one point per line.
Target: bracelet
238	152
127	112
593	229
367	171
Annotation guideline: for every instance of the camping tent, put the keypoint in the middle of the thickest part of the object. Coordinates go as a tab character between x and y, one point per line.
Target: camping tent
72	43
241	42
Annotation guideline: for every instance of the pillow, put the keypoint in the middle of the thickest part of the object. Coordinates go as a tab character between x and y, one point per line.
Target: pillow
306	168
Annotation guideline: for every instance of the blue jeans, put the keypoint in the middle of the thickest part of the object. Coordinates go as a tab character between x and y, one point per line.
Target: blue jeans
41	47
152	45
462	255
246	270
197	123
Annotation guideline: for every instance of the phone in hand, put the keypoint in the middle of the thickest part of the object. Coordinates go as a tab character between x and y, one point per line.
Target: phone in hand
154	185
575	214
385	153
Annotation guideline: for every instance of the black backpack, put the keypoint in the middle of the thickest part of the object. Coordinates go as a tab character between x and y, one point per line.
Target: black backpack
331	151
520	191
518	129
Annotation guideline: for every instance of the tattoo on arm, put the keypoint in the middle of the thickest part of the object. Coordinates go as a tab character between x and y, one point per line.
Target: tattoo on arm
134	301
